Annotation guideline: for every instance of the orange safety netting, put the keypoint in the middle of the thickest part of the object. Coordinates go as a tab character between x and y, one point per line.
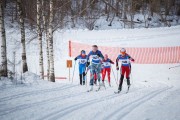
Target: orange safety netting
142	55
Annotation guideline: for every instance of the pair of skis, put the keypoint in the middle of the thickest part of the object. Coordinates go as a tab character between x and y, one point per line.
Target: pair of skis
118	92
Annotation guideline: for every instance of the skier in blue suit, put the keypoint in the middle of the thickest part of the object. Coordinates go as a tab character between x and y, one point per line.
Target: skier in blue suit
82	58
95	57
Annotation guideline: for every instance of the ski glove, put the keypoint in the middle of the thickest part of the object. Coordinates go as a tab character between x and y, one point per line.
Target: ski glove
133	60
117	67
75	58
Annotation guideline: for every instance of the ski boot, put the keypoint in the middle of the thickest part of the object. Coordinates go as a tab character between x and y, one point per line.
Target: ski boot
128	83
119	89
83	82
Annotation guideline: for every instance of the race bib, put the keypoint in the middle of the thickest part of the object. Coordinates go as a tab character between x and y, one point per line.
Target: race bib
95	57
124	61
82	61
106	64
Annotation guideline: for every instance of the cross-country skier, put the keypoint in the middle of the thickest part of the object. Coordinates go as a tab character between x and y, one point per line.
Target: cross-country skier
107	68
124	59
82	66
96	60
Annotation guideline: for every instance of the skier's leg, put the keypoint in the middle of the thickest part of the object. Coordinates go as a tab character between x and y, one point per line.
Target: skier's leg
80	74
80	77
121	78
92	79
128	81
92	70
98	70
95	78
127	75
103	74
83	74
99	76
109	74
121	82
84	78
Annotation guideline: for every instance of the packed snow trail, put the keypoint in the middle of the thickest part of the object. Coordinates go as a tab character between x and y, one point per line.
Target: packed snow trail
62	101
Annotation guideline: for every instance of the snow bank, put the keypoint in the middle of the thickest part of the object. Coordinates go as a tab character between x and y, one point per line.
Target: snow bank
27	78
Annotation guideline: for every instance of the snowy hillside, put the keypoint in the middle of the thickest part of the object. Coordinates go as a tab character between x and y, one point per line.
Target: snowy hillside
154	94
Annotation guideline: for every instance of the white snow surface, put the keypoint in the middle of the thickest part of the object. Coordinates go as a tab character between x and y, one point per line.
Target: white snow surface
154	93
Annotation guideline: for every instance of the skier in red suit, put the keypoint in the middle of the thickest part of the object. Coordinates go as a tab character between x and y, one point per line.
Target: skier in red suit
124	59
107	68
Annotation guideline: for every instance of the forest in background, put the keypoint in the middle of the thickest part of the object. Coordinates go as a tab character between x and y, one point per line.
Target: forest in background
74	13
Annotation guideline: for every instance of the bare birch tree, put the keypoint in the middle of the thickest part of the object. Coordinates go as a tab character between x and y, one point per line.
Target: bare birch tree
46	35
21	22
3	42
39	31
51	51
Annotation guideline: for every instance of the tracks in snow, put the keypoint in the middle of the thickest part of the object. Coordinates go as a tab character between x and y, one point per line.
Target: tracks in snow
60	113
34	93
124	110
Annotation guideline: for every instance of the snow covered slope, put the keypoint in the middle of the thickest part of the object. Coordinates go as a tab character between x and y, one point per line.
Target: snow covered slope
154	94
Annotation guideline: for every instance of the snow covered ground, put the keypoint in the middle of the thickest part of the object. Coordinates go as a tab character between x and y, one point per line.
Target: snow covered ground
154	94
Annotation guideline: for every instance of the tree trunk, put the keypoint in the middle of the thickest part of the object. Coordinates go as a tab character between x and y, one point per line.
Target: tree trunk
131	13
45	30
48	59
4	71
117	7
21	22
124	10
51	52
39	31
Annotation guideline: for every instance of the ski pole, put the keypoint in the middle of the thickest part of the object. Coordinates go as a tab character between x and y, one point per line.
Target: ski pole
73	72
114	77
86	80
130	67
85	76
174	67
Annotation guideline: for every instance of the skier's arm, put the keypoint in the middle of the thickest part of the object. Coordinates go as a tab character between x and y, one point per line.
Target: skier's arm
88	63
111	62
76	58
101	55
130	58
